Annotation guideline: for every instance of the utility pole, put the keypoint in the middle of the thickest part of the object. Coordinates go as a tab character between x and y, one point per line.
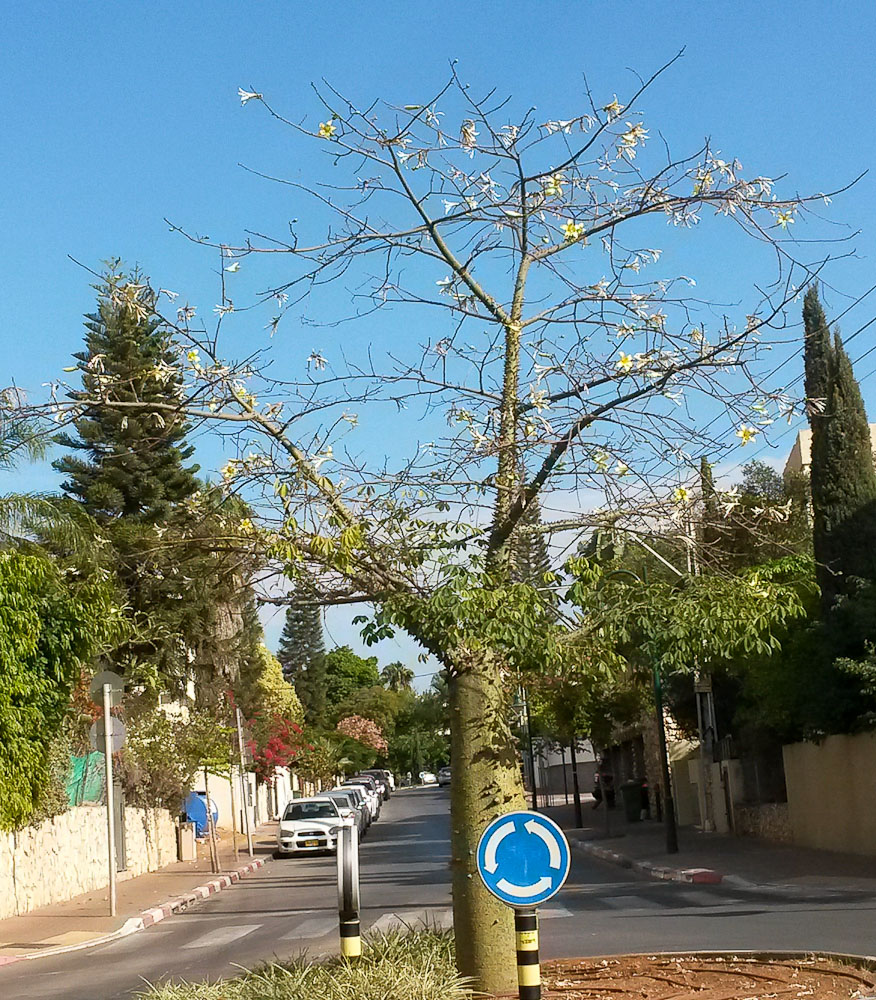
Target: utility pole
243	781
110	803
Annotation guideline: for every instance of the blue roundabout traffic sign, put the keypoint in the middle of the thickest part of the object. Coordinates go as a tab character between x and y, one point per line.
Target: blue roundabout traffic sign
523	858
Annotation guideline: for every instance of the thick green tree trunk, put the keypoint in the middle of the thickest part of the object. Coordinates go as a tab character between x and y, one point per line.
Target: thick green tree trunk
486	783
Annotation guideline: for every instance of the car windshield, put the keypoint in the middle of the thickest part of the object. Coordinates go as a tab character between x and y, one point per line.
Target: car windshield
310	810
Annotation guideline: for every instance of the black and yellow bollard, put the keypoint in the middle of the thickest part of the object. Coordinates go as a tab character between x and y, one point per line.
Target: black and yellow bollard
528	968
348	891
351	935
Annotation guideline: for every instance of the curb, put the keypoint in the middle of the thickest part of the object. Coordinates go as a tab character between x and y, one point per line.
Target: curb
692	876
146	918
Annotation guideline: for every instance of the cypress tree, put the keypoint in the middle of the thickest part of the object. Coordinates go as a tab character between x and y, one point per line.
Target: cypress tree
132	462
842	472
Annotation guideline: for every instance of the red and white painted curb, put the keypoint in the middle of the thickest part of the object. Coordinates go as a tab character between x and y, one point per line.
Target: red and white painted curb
696	876
147	917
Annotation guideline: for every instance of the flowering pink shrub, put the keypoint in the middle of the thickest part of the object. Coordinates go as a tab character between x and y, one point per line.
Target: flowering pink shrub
363	730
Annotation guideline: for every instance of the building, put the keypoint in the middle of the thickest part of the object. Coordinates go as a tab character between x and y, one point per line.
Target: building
801	454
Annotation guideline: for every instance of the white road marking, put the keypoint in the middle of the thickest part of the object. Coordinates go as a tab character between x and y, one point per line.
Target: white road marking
549	912
222	936
313	927
628	902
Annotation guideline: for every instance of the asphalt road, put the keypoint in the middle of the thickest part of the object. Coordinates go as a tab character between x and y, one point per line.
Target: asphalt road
290	905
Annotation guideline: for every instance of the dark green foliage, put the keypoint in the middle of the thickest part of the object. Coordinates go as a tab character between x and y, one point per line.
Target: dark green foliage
166	541
132	462
530	562
397	677
842	473
302	648
346	673
50	626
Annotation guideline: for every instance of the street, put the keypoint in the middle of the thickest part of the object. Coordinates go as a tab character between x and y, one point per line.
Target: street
290	905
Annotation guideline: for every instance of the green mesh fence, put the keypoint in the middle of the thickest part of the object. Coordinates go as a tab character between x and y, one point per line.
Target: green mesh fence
85	781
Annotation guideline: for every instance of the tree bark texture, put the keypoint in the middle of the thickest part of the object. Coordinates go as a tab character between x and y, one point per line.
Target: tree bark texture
486	783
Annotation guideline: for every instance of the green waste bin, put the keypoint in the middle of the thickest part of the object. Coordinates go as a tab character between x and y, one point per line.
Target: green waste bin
631	793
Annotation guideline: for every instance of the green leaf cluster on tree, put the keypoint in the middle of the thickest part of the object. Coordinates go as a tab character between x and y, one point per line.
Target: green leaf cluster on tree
51	625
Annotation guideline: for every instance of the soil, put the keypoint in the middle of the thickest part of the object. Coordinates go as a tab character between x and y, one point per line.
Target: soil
665	977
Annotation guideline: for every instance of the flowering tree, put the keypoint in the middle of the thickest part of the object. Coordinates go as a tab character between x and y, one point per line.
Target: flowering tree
274	742
556	353
363	730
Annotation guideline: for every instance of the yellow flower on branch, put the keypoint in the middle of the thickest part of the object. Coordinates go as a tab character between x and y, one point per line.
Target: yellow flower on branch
681	495
746	434
573	231
784	219
326	130
625	363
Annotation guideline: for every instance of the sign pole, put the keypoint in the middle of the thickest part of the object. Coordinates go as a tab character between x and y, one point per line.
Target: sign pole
528	967
110	803
523	859
244	783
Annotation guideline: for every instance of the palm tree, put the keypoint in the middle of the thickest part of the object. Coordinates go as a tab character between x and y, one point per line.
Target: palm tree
397	677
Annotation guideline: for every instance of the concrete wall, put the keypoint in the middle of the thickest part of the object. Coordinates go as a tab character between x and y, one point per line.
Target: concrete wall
832	793
66	856
769	821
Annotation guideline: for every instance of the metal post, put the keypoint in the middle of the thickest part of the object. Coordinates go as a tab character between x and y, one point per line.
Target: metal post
668	804
576	789
565	777
531	752
244	783
348	891
233	814
110	800
528	968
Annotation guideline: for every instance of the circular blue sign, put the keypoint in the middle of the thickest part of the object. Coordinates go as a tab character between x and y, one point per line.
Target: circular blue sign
523	858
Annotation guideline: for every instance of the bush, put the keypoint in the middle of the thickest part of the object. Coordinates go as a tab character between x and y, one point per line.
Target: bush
396	966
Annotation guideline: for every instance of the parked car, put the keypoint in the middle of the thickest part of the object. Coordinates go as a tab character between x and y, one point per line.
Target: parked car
347	799
361	799
444	776
370	792
428	778
384	778
308	825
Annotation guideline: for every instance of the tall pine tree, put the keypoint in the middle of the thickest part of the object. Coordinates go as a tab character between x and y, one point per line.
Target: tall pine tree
302	651
842	472
128	470
128	462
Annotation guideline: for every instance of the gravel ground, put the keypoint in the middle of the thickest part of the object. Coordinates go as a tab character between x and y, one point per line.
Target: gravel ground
693	978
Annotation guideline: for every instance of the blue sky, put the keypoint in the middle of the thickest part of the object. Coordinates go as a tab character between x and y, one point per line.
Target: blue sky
116	115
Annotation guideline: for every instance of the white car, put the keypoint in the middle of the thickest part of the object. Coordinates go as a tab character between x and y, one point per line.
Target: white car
428	778
371	797
308	825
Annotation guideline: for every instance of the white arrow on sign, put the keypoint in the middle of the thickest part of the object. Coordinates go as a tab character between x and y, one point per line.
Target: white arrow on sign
498	835
525	891
553	847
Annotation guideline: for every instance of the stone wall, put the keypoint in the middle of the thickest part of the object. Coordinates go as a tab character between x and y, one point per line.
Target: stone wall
65	856
769	821
832	793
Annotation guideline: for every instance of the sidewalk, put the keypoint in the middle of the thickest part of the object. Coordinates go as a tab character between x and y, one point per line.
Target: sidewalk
739	860
84	920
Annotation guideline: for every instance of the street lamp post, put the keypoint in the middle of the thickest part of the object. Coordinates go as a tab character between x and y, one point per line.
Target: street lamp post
666	781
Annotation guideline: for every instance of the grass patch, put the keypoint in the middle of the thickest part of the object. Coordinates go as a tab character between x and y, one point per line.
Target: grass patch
399	965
